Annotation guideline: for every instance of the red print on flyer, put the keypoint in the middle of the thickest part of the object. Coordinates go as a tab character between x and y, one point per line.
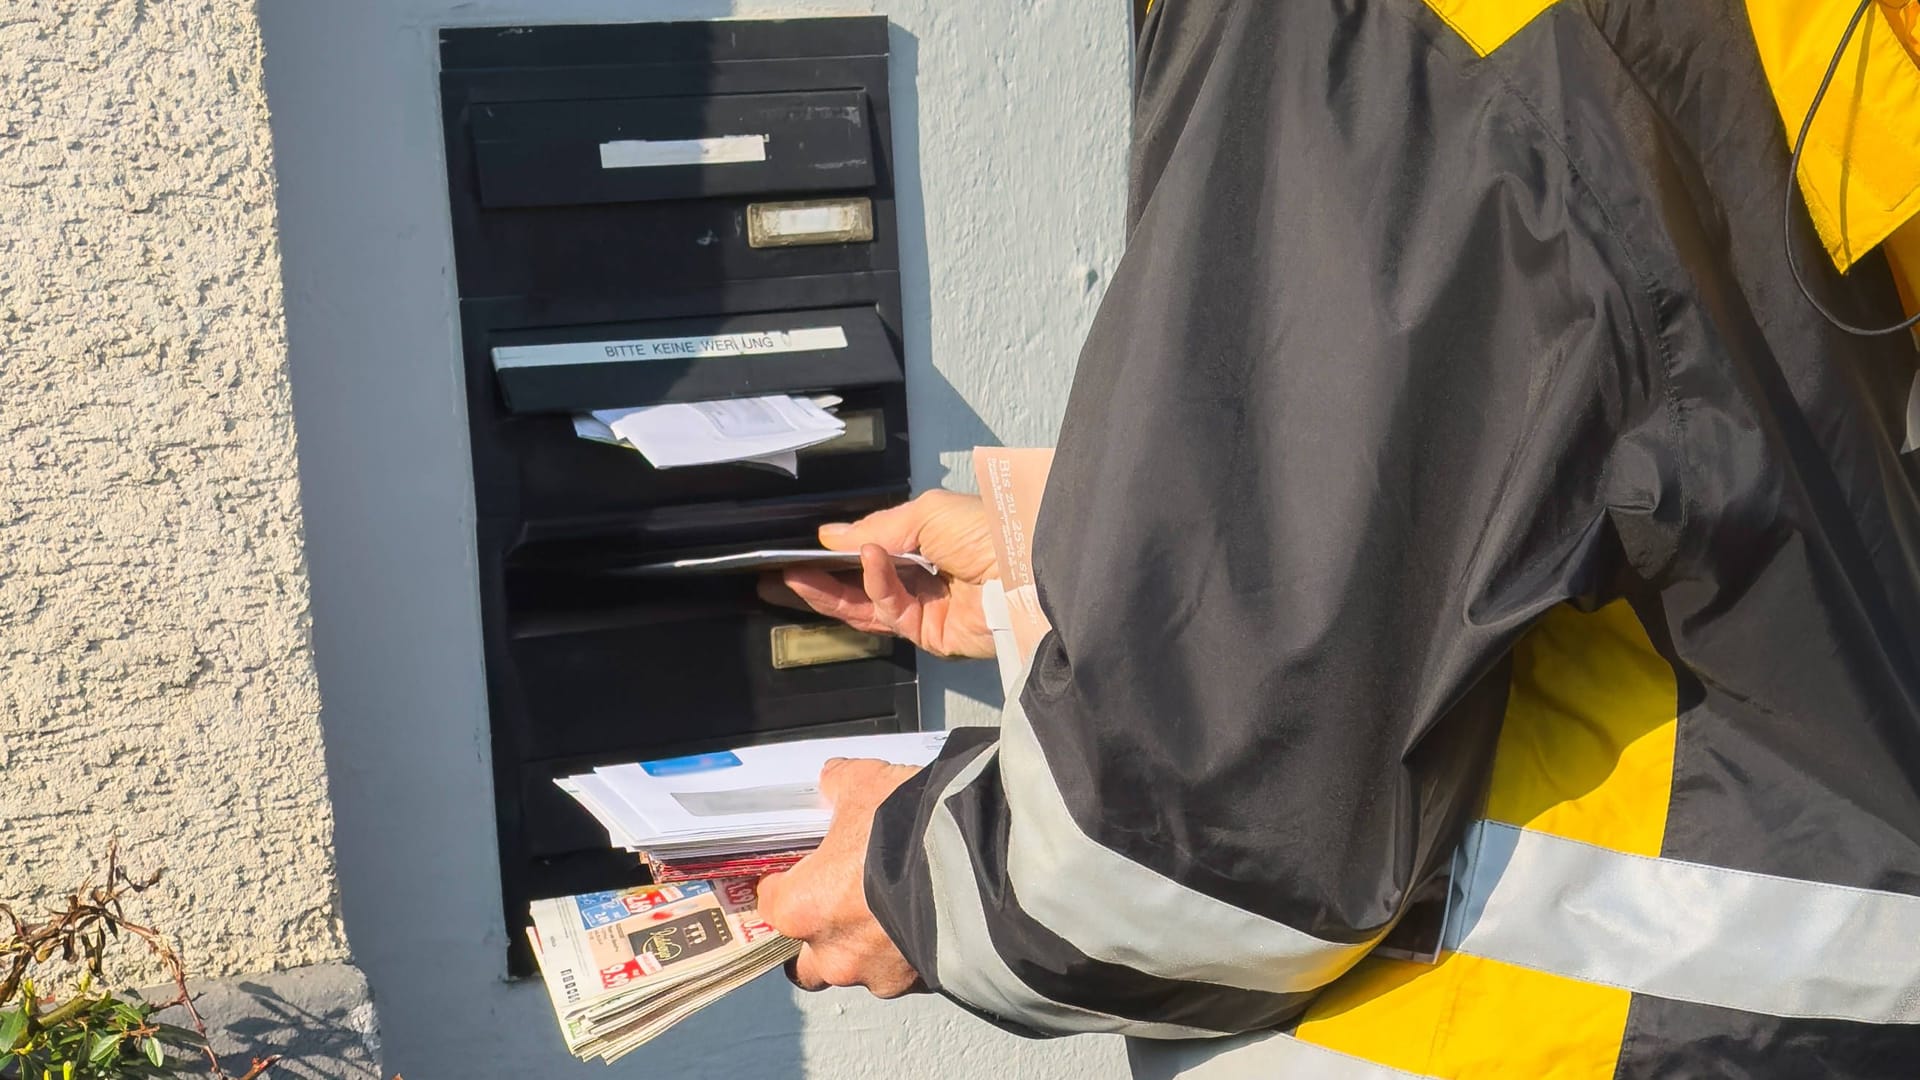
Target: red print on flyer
648	899
620	974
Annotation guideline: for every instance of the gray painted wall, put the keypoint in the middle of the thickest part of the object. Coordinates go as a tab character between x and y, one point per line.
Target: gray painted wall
1010	129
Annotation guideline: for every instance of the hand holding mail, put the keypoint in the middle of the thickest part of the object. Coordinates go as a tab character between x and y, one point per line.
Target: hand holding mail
822	901
939	614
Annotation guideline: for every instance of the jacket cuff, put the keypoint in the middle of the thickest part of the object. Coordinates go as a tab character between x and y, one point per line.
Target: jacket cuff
898	888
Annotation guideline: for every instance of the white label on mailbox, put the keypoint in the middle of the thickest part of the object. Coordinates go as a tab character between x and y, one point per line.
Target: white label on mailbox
751	343
812	219
653	153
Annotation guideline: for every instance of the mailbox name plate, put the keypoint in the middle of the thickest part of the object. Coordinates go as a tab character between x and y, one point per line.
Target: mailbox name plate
654	153
746	343
796	646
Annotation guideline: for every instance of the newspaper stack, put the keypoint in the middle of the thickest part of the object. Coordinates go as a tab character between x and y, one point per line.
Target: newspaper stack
733	813
623	967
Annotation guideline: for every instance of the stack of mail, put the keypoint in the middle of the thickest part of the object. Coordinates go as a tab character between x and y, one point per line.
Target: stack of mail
736	812
622	967
761	430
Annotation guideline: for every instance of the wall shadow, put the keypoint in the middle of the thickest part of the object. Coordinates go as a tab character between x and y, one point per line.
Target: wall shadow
946	426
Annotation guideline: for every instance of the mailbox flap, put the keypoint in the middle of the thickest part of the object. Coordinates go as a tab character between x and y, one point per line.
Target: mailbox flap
562	153
701	359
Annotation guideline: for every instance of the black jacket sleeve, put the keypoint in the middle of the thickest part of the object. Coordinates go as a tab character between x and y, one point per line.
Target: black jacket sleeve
1370	393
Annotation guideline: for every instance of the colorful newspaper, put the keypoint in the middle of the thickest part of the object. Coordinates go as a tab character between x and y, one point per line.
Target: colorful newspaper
1011	483
623	967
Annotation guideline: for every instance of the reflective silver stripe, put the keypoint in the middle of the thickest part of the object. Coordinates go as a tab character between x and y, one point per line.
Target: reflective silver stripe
1006	648
1703	934
969	967
1145	920
1271	1056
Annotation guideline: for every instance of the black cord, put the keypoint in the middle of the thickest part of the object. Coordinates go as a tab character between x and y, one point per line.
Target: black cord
1793	177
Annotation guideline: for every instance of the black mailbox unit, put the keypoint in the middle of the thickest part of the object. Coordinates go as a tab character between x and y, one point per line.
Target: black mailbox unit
650	213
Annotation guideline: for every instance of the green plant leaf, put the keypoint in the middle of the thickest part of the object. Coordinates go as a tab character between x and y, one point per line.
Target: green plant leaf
174	1033
13	1026
104	1049
155	1053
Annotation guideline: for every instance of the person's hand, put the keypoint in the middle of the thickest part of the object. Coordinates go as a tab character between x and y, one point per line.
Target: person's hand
939	614
822	901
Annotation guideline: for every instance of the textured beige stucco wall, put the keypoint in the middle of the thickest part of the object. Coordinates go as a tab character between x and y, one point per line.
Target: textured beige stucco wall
155	674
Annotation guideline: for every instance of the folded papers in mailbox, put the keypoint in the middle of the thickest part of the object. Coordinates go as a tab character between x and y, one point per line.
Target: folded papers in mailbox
767	430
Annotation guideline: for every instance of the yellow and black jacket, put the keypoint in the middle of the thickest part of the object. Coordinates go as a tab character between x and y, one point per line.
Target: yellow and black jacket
1458	497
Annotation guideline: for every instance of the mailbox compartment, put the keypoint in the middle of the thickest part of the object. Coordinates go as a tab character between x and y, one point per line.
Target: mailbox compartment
617	194
608	661
547	153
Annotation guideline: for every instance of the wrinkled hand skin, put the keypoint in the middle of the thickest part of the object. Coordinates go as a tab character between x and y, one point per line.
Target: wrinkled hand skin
939	614
822	901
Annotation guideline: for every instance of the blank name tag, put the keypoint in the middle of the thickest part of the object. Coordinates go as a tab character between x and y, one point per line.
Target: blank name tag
815	221
805	646
661	153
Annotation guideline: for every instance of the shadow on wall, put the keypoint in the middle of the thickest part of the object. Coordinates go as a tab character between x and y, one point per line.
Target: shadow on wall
945	424
387	496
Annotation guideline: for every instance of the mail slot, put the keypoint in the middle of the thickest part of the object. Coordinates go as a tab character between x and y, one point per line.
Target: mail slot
658	214
545	153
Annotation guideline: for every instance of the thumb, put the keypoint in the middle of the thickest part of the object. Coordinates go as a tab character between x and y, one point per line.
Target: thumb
897	528
860	783
847	781
833	779
769	890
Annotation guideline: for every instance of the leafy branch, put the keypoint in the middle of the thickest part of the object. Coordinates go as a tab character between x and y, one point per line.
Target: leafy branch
94	1034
